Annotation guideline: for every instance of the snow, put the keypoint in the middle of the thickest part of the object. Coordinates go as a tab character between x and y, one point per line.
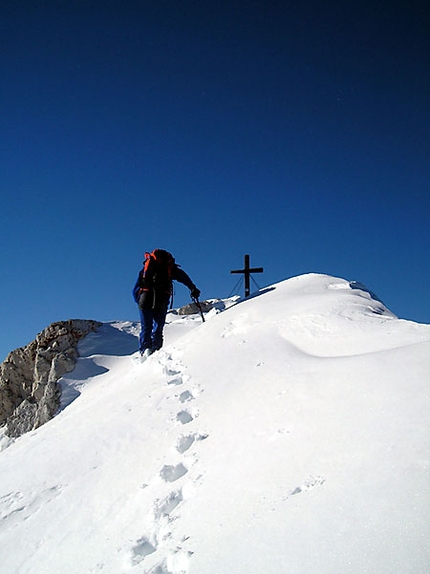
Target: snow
288	434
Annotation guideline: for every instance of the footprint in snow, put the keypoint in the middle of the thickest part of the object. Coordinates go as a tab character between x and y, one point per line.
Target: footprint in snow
184	417
170	473
175	380
186	396
166	506
141	549
185	442
177	562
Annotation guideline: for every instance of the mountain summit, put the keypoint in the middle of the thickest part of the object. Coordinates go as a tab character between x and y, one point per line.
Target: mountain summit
288	434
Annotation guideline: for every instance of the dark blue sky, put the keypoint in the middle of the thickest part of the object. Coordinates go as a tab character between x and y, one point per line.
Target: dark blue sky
296	132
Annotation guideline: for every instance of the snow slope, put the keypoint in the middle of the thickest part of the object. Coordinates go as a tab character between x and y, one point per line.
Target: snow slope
288	434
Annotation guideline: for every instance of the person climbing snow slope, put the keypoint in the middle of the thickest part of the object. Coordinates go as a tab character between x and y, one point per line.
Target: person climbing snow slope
152	292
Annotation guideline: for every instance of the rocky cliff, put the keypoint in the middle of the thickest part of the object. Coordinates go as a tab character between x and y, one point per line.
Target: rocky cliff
29	391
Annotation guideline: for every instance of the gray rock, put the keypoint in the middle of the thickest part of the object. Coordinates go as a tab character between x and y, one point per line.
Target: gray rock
29	392
192	308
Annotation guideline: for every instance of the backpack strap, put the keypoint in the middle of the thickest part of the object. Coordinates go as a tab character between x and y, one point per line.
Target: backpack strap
147	261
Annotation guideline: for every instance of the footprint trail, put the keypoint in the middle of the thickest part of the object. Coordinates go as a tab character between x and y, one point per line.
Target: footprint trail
161	548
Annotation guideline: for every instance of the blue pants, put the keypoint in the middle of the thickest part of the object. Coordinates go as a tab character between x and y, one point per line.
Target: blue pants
152	324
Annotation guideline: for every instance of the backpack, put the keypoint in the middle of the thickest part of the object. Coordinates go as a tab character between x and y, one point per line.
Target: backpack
157	271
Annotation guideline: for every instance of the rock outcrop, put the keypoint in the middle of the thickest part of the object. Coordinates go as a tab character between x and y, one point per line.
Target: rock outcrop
29	391
192	308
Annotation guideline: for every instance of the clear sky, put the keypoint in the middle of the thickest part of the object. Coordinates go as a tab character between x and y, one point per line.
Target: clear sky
297	132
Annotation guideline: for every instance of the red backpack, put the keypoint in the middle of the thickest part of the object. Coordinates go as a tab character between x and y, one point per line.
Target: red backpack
157	270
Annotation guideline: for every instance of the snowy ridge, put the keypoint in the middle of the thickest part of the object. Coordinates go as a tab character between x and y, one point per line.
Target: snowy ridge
287	434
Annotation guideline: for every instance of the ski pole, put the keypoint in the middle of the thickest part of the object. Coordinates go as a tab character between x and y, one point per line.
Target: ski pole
199	307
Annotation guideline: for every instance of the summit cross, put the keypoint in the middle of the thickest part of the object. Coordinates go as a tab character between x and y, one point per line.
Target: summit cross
247	270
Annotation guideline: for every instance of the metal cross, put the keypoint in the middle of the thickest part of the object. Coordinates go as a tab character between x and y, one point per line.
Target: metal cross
247	270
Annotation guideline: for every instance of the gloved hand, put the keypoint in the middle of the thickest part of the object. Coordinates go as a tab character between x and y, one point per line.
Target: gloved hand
195	293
